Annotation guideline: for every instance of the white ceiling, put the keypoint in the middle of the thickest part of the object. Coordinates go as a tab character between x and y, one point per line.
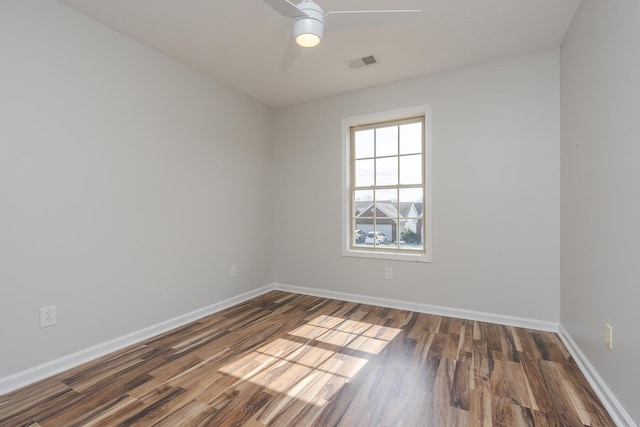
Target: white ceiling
241	42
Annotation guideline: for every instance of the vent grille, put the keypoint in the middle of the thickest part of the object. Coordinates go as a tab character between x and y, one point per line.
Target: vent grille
369	60
364	61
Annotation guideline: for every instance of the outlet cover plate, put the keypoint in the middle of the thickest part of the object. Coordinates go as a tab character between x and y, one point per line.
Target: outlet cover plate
47	316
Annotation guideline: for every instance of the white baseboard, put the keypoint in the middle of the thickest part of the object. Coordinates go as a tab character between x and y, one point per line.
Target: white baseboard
612	405
29	376
540	325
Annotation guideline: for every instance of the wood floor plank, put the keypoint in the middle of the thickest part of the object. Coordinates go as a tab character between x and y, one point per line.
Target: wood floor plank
460	385
442	392
508	381
284	359
480	409
563	407
483	365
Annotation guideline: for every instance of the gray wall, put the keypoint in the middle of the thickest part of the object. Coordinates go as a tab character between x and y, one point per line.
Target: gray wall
496	181
600	69
128	185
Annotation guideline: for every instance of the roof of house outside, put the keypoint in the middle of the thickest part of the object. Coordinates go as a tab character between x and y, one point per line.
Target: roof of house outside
390	209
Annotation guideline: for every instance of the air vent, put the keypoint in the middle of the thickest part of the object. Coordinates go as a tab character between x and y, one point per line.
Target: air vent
364	61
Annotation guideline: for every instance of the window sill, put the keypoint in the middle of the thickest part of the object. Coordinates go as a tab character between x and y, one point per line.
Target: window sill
391	256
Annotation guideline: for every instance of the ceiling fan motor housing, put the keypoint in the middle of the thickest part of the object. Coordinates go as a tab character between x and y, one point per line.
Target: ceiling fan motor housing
311	24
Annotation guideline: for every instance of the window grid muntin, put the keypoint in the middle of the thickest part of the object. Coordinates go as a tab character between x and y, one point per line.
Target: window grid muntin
397	187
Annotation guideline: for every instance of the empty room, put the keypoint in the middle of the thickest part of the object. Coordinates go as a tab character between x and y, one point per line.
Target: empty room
319	213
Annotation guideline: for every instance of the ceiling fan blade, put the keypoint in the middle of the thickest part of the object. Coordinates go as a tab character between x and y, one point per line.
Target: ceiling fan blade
291	52
285	7
340	20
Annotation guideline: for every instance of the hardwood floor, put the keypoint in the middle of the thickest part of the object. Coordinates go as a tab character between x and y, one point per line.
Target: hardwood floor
291	360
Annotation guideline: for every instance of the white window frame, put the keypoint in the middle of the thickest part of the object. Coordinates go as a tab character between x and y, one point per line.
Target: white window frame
399	114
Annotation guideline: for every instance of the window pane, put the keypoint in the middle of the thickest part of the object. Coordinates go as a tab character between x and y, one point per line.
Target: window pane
411	210
364	173
387	171
411	234
411	138
362	203
387	141
386	216
364	144
411	169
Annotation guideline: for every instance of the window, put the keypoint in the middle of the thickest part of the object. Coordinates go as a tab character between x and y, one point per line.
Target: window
386	203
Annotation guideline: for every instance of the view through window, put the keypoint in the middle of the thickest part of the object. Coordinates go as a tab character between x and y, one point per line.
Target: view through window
387	186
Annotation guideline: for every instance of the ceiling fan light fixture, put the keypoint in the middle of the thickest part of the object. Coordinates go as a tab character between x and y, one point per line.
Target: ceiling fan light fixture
308	23
308	32
308	40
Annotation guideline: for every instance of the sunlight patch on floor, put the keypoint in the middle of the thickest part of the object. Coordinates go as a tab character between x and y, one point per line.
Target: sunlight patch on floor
313	371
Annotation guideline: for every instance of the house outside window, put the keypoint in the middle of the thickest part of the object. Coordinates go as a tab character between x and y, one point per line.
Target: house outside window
386	185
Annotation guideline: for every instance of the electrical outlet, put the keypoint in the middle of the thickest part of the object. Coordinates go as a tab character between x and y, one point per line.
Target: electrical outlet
388	273
47	316
233	271
608	336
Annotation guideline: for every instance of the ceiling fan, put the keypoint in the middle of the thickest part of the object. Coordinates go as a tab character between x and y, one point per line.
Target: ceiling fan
309	23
